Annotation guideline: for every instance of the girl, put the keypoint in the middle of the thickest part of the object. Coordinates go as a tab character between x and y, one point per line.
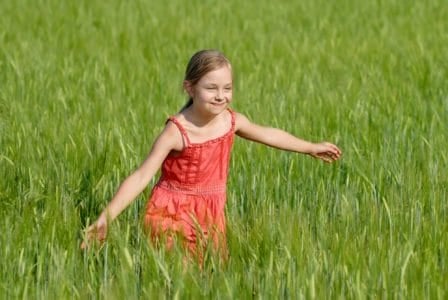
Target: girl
193	150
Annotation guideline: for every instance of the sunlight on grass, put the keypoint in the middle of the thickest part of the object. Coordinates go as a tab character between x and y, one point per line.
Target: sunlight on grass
86	86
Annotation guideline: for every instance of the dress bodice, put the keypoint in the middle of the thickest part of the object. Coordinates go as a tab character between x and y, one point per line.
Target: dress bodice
199	167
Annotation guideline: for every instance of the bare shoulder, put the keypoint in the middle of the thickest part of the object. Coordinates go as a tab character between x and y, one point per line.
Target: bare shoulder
171	137
170	129
241	121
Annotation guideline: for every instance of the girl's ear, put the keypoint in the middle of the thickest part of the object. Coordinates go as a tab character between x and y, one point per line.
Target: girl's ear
188	87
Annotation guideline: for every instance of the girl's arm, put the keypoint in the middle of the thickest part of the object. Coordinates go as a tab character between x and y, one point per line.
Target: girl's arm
280	139
170	139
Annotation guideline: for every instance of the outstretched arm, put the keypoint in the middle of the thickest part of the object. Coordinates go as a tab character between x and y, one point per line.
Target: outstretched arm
132	186
283	140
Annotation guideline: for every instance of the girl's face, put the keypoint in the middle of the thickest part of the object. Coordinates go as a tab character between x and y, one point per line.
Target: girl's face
213	92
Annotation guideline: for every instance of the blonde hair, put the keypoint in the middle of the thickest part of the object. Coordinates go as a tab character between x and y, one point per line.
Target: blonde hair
201	63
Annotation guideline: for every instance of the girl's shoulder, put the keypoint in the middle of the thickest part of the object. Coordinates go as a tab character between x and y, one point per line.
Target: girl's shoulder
240	120
171	136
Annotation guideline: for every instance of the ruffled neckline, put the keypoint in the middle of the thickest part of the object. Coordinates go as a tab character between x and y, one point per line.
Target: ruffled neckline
208	142
212	141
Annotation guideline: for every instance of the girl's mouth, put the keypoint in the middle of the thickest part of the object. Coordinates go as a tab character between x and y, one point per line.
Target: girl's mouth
219	103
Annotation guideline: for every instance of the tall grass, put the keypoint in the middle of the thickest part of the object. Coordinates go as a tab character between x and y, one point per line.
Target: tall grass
85	87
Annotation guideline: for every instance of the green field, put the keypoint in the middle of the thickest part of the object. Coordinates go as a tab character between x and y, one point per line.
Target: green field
85	87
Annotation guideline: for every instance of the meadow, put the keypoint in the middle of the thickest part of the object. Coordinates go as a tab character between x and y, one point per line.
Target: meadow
86	86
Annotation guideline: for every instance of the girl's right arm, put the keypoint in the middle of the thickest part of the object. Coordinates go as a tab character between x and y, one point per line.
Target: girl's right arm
281	139
170	139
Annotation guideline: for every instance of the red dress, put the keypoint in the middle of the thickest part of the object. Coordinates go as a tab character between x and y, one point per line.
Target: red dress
188	201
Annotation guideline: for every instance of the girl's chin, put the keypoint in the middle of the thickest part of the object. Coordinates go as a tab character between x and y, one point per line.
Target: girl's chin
218	108
214	109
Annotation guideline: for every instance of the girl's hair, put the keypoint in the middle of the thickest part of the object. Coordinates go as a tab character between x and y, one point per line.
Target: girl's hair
200	64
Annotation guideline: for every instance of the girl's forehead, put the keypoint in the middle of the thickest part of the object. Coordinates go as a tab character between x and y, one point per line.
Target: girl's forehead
223	73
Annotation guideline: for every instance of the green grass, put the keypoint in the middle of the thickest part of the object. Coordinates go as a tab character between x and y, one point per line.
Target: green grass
85	86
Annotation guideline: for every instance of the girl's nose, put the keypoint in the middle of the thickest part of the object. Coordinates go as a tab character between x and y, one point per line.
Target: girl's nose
219	95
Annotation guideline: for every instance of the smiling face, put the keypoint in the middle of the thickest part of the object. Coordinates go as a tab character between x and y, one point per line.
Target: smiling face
213	92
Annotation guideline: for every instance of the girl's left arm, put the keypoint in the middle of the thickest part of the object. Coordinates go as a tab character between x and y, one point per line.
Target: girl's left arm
283	140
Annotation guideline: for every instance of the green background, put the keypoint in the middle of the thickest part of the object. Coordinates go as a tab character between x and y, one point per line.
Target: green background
85	87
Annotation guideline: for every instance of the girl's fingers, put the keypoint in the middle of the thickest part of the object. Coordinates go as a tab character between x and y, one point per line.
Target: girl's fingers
334	149
330	148
88	235
94	232
84	245
334	155
328	156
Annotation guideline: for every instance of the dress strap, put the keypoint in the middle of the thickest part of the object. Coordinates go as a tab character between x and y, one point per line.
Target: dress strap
181	129
232	114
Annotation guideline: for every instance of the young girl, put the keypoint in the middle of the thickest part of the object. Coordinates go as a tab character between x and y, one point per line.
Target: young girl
193	150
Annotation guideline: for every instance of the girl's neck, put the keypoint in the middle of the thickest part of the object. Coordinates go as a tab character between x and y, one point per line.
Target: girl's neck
198	118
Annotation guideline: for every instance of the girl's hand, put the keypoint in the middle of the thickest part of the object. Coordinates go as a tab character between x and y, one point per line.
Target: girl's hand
97	232
326	152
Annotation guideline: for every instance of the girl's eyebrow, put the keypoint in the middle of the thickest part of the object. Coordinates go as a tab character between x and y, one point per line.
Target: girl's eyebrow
215	84
210	84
